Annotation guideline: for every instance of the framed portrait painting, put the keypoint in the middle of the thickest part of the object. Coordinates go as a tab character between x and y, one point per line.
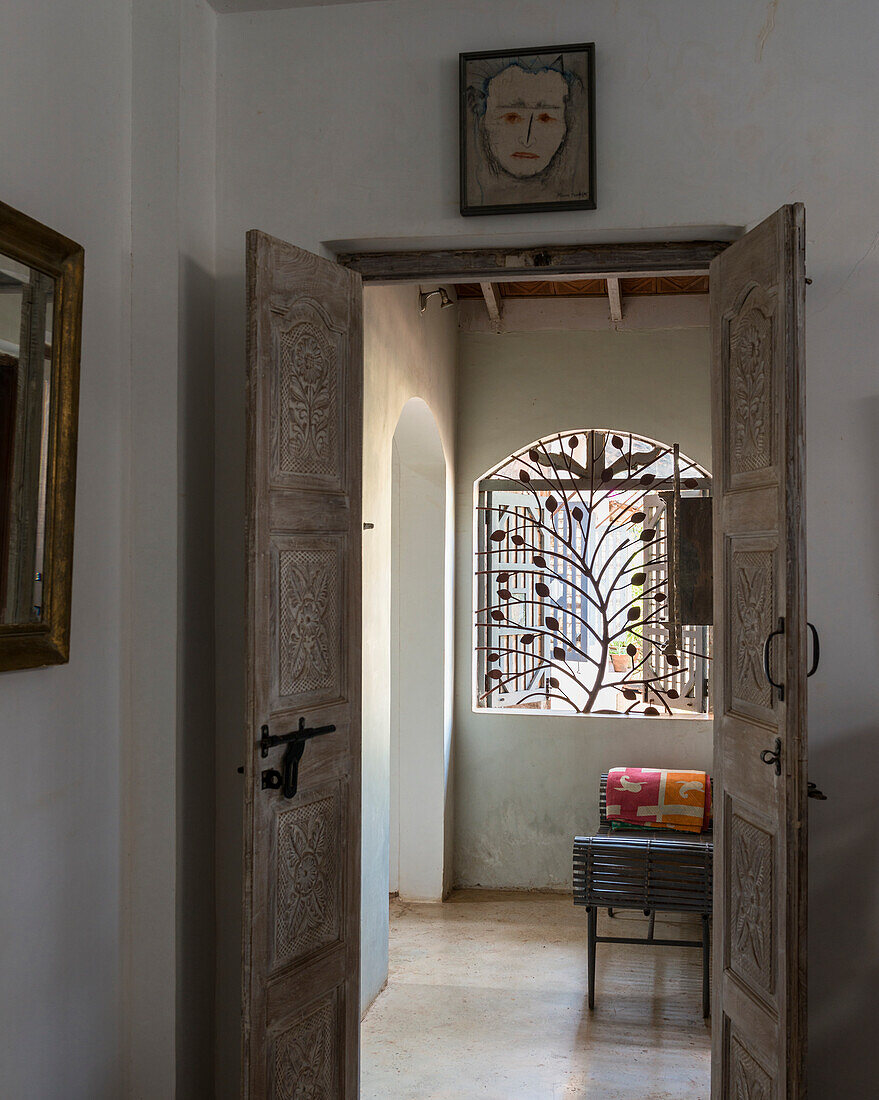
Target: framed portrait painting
528	130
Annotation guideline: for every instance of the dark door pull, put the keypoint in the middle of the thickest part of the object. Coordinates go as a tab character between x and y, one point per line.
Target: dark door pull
767	672
287	780
816	656
770	757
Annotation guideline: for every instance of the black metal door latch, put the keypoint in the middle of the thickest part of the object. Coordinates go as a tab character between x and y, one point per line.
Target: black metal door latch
287	779
773	756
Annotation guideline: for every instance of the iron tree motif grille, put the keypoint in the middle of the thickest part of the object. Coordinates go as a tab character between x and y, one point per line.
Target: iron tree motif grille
583	582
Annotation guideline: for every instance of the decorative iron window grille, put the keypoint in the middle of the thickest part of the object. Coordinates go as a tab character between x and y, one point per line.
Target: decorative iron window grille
593	578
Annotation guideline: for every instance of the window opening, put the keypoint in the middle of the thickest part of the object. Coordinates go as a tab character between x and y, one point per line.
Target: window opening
594	578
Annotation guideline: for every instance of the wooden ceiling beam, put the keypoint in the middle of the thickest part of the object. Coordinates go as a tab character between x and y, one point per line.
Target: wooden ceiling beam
614	300
493	302
595	261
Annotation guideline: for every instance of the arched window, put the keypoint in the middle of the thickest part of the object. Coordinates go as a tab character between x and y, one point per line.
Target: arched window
594	578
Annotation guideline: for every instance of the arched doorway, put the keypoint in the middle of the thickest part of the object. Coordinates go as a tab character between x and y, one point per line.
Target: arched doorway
421	632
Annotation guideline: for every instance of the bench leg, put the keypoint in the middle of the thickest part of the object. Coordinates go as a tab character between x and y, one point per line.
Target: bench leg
706	966
593	932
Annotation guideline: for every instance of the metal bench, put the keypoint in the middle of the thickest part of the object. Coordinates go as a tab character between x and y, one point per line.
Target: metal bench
659	870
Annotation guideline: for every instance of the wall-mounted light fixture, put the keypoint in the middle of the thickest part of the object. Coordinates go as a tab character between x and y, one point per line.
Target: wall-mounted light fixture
425	296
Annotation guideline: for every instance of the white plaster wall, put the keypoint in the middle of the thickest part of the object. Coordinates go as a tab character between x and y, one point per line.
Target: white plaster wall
167	604
421	617
65	161
339	123
527	783
101	960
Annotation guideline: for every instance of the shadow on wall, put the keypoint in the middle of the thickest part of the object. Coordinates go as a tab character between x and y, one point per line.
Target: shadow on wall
844	912
844	762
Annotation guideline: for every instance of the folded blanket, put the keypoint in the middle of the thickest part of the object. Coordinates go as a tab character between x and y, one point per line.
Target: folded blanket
659	799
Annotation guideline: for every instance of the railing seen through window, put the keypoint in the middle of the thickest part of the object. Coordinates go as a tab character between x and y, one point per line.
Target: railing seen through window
594	578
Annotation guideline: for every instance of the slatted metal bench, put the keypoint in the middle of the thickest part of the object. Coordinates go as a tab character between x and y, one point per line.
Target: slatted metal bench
659	870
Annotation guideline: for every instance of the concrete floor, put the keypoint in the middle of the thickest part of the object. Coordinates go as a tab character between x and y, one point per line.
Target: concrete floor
487	998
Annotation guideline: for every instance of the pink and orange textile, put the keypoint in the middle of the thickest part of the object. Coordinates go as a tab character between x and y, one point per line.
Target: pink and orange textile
659	799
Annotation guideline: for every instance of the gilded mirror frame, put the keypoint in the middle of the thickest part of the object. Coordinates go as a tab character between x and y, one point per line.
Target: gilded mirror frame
47	642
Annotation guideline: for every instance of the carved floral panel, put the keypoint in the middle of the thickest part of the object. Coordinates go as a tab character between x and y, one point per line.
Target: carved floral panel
309	642
307	902
750	386
750	914
748	1080
752	608
305	1057
307	417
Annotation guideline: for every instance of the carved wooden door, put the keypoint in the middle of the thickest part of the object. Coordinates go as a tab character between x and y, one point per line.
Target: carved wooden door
759	1009
301	953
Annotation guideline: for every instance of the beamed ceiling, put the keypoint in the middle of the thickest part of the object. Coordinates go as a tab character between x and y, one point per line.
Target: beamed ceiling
591	288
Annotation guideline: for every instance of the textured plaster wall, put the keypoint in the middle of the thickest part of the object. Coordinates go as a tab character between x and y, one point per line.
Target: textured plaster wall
526	783
340	123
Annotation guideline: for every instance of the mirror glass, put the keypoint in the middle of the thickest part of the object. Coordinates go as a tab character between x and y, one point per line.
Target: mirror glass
26	315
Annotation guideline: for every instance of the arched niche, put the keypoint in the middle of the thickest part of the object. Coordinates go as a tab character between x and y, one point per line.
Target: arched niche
421	632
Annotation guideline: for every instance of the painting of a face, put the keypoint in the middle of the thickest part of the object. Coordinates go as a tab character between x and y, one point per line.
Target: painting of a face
527	129
525	119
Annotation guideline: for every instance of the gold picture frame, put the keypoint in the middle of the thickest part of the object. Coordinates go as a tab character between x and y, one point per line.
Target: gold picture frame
45	638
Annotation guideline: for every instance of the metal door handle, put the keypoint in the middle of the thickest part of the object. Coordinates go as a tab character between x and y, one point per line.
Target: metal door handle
768	756
288	778
766	654
816	655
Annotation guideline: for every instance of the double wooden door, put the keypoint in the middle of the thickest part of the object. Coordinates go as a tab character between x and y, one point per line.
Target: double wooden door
302	819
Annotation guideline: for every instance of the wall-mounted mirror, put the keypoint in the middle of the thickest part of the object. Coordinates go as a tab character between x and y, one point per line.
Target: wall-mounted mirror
40	325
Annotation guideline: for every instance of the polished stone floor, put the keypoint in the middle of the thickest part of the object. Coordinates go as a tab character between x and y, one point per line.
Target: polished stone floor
487	998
